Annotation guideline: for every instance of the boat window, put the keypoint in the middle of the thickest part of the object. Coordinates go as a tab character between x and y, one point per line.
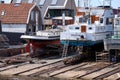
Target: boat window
76	27
42	2
109	21
82	20
117	22
90	28
60	22
71	28
89	21
101	20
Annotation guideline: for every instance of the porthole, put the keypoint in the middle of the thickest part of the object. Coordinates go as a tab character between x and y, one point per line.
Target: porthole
90	28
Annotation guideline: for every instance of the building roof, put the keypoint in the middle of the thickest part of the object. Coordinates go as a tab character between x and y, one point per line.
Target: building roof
43	2
45	5
15	13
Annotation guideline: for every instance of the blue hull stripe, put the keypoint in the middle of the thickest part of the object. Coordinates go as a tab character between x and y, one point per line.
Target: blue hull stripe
81	43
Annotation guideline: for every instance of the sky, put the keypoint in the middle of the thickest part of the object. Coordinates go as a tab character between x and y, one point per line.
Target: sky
114	4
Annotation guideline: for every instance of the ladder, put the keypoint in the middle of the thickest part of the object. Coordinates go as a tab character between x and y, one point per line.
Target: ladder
102	56
65	49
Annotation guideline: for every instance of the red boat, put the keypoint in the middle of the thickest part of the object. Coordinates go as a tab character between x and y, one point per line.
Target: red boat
41	39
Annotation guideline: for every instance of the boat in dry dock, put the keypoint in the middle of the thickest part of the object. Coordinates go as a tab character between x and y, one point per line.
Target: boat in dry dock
50	36
41	39
113	42
92	27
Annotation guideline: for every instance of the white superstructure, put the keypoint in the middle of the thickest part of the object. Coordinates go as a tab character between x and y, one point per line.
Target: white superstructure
94	24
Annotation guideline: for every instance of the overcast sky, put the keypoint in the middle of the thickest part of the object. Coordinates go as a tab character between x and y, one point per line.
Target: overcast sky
115	3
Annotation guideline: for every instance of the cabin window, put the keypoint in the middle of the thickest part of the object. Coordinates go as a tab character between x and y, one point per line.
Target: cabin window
42	2
76	27
80	20
71	28
67	13
117	22
90	28
60	22
101	20
55	21
89	22
109	21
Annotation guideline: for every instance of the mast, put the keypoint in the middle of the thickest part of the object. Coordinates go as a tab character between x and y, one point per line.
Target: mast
78	3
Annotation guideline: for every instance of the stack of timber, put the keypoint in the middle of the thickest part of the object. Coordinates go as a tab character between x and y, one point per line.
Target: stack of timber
75	59
4	41
7	50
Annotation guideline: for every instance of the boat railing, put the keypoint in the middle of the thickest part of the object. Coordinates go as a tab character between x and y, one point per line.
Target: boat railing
113	35
43	32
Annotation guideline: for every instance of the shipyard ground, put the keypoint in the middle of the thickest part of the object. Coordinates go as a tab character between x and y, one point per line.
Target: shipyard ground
52	68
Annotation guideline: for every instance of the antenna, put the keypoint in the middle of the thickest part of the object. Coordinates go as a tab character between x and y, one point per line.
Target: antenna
78	3
85	3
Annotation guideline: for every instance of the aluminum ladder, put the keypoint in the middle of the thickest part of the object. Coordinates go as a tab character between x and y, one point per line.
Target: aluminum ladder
65	49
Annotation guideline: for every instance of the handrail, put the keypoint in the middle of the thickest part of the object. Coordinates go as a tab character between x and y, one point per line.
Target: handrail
114	35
